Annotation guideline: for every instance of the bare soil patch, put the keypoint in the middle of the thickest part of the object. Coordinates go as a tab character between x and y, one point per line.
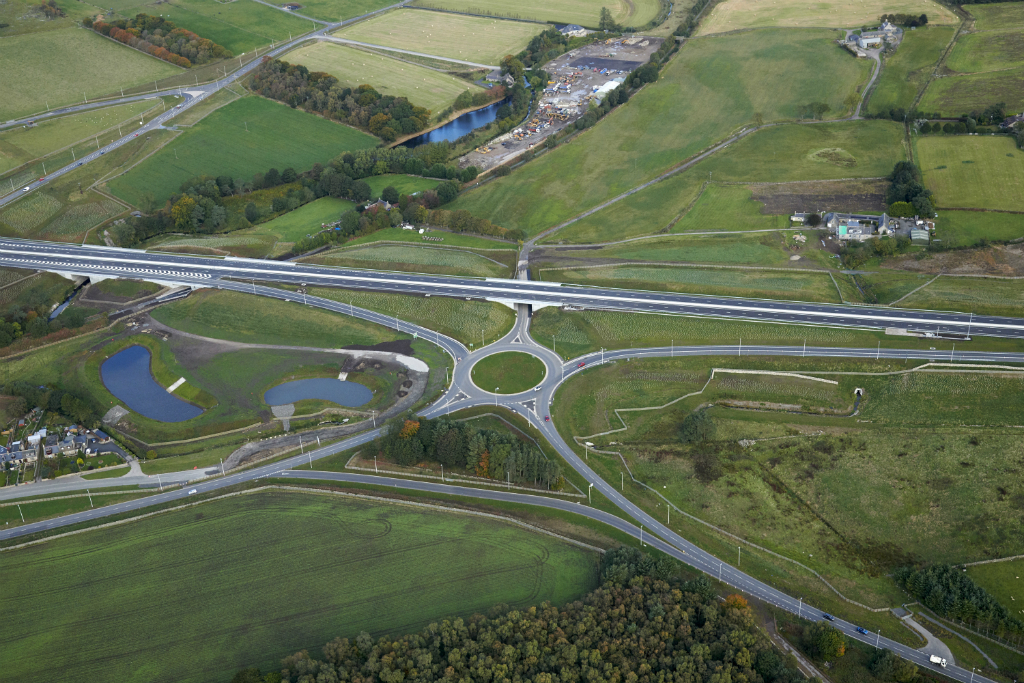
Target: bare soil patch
841	195
1005	260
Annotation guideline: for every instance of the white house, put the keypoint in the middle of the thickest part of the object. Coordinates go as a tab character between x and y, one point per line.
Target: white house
573	30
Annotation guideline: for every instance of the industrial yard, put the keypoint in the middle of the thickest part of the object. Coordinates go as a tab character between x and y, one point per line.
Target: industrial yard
578	78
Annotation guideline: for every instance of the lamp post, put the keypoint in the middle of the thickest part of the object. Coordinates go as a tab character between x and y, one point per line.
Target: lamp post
800	608
590	499
496	396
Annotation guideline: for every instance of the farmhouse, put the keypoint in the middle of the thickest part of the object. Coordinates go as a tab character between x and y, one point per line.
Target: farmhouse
572	30
868	41
862	227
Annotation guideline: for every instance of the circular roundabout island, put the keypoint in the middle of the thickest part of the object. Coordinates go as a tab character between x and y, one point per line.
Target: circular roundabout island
508	372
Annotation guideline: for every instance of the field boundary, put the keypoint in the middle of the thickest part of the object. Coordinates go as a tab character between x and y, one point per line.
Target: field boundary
677	264
423	246
77	495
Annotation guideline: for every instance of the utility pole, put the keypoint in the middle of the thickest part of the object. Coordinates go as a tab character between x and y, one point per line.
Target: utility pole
669	508
73	154
878	637
672	351
739	555
21	513
719	571
222	467
641	535
971	320
590	498
622	481
159	483
88	493
739	350
951	353
496	396
375	470
800	608
805	348
878	351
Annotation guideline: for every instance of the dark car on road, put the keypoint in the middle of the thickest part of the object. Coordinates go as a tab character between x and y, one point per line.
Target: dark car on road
828	616
862	630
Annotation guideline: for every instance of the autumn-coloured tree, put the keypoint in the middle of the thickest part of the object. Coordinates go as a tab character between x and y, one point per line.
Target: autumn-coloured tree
409	429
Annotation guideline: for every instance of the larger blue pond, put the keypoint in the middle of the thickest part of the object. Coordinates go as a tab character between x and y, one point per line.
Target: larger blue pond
456	128
348	394
126	375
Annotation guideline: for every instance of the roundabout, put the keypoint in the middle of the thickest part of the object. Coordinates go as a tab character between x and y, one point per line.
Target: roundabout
508	372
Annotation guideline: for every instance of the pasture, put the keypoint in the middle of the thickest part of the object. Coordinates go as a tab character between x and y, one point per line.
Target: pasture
26	16
997	16
980	172
198	567
305	220
954	96
792	286
628	13
21	145
767	249
421	86
245	137
257	320
987	51
240	26
980	296
405	184
905	73
967	228
416	258
739	14
339	10
473	39
711	88
728	207
448	239
471	322
1002	580
39	74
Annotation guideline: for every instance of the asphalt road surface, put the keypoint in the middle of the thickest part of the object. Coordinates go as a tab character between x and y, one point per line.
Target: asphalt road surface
204	271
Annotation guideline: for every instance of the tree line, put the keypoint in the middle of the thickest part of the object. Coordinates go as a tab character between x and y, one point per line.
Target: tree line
50	10
635	628
76	407
909	20
29	317
459	445
690	23
161	38
950	592
385	116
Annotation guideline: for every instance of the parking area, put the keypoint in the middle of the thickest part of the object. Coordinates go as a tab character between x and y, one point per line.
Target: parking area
577	78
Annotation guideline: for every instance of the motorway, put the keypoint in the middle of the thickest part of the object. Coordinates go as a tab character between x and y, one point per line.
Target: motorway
205	271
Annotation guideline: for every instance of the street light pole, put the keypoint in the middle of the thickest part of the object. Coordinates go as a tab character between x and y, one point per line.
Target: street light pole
590	498
739	555
496	396
800	608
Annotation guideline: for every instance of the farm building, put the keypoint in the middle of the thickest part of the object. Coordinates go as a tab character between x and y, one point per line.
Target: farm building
866	41
572	30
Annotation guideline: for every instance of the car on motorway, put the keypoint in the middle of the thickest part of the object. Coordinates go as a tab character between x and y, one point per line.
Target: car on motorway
828	616
43	178
178	107
80	163
547	418
581	364
862	630
191	491
538	388
25	189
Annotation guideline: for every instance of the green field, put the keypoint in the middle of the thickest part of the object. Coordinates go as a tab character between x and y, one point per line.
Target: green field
471	322
727	207
957	95
997	16
405	184
240	26
769	249
448	239
124	289
100	65
25	16
888	286
421	86
337	10
257	320
779	154
905	73
473	39
277	136
1002	580
625	12
739	14
20	145
980	296
231	597
426	258
795	286
987	51
967	228
510	372
65	209
972	172
711	88
305	220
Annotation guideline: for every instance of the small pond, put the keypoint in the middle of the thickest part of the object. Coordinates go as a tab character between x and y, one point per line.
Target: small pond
348	394
127	376
456	128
